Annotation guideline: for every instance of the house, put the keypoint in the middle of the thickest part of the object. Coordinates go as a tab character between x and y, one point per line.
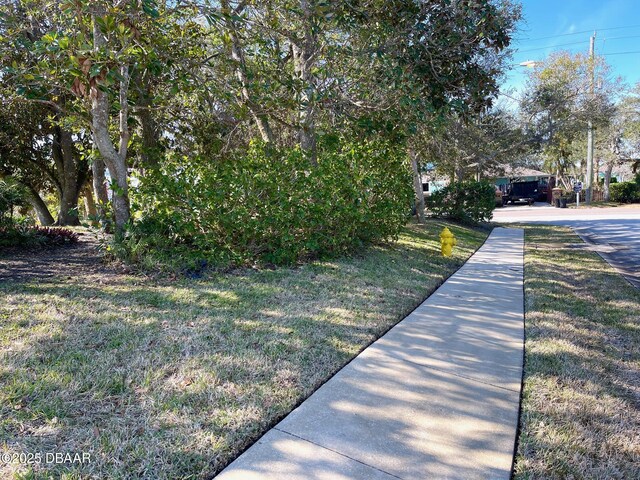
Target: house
521	174
622	172
432	181
546	181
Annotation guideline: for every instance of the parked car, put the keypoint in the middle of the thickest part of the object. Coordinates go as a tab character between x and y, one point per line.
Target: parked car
527	192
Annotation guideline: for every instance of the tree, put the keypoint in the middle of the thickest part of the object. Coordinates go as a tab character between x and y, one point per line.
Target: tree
48	153
79	58
475	144
37	151
159	87
442	59
236	53
620	139
559	103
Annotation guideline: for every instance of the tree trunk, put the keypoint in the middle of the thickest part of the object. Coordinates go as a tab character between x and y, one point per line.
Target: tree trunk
90	206
615	146
100	190
42	211
151	149
68	213
72	174
607	181
417	186
304	58
115	160
237	56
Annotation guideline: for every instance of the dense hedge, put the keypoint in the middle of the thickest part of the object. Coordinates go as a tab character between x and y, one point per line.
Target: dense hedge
269	205
468	201
625	192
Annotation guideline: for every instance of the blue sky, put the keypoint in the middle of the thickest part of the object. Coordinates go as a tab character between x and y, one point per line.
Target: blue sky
549	26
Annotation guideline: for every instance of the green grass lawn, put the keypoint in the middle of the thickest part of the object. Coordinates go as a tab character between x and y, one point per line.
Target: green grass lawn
581	399
173	380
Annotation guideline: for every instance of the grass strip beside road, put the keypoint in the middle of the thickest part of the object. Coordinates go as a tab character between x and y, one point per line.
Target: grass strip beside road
173	380
581	399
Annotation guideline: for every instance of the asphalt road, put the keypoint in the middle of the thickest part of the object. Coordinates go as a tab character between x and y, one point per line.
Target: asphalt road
613	232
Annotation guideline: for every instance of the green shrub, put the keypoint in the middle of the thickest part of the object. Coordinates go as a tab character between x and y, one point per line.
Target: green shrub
11	195
268	205
625	192
14	231
22	233
10	236
470	201
55	235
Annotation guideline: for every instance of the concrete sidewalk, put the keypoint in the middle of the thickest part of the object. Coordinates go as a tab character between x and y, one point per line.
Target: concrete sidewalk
436	397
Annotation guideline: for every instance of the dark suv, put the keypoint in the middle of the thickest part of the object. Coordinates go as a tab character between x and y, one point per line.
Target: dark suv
527	192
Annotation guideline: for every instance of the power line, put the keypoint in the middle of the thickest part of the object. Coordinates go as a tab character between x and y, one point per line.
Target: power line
583	31
605	54
603	40
575	43
620	38
601	54
552	46
620	53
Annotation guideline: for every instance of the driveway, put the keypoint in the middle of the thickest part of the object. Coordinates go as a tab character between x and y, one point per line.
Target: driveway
612	232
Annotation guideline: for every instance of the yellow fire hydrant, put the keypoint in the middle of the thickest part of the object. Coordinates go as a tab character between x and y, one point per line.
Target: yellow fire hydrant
447	242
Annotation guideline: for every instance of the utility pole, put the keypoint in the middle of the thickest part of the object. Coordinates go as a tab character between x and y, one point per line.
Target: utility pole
589	180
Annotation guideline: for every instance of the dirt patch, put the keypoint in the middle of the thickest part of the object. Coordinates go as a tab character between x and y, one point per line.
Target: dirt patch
50	264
